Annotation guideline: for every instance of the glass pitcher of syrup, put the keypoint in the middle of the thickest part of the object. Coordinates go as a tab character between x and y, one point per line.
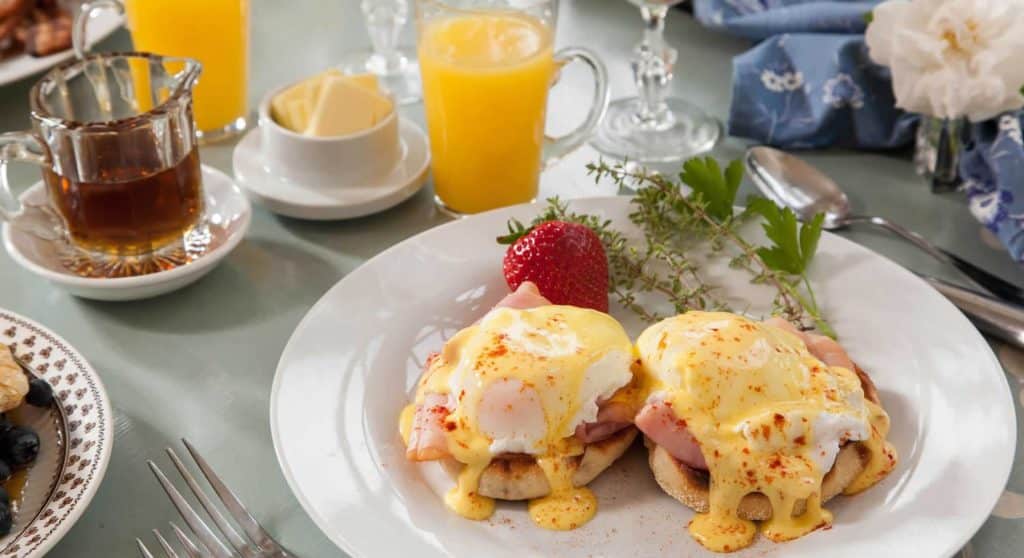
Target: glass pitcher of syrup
115	137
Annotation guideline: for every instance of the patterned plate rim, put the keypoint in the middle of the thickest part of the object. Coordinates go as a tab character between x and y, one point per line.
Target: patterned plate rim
89	445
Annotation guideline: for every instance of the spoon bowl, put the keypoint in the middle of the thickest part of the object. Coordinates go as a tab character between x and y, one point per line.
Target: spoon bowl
791	182
794	183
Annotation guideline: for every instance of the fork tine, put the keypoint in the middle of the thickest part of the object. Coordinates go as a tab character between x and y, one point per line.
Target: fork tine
168	549
190	547
233	537
142	549
196	523
232	503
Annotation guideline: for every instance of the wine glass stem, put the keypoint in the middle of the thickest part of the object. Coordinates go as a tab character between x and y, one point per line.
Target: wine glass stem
652	69
384	21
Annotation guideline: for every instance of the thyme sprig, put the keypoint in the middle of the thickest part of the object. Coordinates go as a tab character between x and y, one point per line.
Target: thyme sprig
677	227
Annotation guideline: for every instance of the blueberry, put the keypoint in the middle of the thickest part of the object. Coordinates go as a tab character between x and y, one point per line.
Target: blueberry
6	520
5	498
19	447
5	425
40	394
5	472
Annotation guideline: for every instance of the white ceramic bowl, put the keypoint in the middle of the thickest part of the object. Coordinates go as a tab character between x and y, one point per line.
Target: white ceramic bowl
354	159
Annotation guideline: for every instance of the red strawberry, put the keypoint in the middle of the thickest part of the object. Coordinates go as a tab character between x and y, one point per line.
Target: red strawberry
565	260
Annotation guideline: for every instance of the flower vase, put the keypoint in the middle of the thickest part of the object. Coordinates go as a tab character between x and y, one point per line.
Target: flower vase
939	144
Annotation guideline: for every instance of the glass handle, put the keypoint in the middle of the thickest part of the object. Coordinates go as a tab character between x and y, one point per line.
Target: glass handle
556	148
37	220
82	20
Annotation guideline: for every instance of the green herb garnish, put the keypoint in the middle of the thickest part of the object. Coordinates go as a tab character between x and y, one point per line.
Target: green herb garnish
679	226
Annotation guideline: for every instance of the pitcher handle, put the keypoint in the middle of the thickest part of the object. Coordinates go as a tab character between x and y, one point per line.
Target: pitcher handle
556	148
37	220
82	19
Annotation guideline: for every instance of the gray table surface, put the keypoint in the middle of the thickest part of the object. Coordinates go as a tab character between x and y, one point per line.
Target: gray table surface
199	362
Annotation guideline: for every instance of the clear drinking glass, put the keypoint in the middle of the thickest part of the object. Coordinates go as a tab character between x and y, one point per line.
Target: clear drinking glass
116	140
396	69
653	127
214	32
487	66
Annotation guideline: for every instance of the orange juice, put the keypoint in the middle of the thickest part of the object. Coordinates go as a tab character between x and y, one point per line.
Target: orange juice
485	86
214	32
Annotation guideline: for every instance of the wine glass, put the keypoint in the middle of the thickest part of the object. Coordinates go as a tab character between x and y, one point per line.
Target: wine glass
653	127
395	68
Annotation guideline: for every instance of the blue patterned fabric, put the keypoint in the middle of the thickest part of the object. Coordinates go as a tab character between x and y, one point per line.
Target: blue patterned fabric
993	172
809	83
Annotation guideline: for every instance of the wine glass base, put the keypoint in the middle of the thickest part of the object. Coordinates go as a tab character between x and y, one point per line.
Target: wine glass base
403	84
687	131
236	127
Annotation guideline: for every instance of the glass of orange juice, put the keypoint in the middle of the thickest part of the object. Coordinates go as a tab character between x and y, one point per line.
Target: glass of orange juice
215	32
486	67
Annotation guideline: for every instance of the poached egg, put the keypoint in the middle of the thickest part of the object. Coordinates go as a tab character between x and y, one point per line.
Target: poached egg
768	417
521	381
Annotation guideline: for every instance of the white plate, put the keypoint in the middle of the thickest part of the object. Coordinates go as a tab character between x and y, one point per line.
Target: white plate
227	210
67	472
324	202
17	67
351	363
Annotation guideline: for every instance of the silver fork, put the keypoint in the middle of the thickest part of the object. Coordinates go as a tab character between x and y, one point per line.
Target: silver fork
209	545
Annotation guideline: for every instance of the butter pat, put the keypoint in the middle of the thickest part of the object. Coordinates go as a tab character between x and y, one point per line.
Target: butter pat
331	104
347	105
292	107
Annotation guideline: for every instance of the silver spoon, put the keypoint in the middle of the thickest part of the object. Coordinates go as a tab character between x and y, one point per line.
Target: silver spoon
792	182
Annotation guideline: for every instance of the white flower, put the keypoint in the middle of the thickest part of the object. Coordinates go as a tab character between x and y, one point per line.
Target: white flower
786	81
1010	124
842	90
952	58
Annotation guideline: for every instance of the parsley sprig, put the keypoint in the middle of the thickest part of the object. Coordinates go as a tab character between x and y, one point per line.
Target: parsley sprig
679	226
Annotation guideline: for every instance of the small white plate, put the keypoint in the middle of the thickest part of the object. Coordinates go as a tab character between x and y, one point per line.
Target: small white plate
349	367
23	65
332	202
228	212
71	465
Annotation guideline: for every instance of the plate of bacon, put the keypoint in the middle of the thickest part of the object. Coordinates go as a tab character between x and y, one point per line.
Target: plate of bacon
456	397
36	34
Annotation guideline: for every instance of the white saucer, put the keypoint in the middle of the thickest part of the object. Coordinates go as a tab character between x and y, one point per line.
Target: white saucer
330	202
228	212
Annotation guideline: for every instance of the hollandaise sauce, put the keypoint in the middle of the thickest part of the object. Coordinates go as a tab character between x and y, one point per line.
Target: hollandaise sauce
769	418
522	381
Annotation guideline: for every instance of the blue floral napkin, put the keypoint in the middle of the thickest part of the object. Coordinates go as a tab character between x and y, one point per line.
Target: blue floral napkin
993	172
809	83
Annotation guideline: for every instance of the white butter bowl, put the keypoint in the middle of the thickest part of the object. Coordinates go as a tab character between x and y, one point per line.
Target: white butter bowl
329	162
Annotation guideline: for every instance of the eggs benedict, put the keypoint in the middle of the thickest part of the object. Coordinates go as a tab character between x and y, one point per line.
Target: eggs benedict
530	403
749	421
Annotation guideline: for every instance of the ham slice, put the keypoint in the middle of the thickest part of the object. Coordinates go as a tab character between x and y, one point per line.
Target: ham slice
612	417
525	297
659	422
427	439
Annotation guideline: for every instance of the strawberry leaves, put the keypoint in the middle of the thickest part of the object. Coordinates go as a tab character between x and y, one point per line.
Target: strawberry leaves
516	230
